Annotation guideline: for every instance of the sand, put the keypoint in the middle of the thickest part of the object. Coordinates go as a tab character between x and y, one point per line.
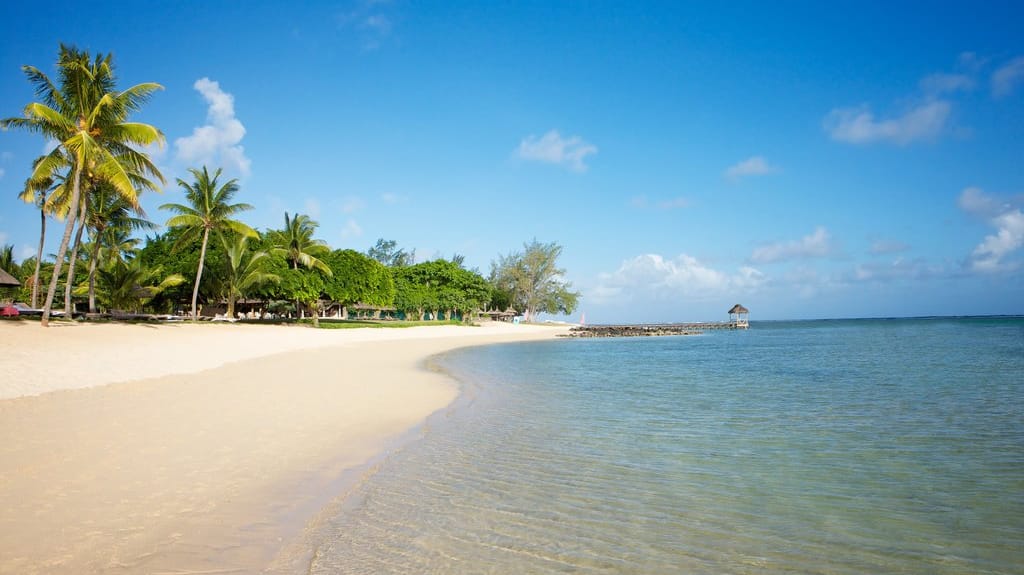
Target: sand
198	448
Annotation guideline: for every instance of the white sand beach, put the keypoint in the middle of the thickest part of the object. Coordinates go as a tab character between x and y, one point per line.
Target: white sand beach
198	448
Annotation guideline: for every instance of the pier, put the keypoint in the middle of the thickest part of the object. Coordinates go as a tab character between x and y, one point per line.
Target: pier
739	318
654	329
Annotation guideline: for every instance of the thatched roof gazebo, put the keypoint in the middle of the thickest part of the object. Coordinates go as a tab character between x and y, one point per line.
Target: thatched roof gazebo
740	316
7	280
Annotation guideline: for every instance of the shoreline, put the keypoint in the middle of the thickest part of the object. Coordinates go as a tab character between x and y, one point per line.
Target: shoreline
217	469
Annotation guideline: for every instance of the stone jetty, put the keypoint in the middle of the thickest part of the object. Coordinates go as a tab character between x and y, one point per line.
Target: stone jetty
634	330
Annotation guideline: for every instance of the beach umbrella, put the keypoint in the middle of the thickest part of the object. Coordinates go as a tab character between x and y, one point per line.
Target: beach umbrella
7	280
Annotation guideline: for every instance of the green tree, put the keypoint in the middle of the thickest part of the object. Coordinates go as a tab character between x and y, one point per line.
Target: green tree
243	270
296	245
88	119
388	253
127	285
7	264
440	286
356	278
209	210
533	281
109	218
36	193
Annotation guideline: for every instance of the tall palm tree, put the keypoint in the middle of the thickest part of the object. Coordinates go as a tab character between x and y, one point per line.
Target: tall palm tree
60	203
295	243
243	270
36	192
209	210
88	119
109	216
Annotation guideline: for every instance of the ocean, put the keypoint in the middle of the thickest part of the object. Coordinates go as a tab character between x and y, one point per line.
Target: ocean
831	447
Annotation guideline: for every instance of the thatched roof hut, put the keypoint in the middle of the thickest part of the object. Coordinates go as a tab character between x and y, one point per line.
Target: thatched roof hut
7	280
740	316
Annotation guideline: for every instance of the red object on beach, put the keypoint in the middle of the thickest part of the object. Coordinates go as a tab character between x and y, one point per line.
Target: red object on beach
9	311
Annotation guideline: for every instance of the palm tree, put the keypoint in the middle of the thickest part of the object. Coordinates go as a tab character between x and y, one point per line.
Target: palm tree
118	246
60	204
209	210
88	119
35	193
295	243
243	270
127	285
7	258
109	217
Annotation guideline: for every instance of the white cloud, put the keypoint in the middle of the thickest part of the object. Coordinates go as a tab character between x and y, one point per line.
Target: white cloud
650	277
859	126
351	229
898	269
883	247
1007	219
1006	78
943	83
351	204
3	172
552	148
816	245
370	23
391	199
218	142
752	166
990	255
977	203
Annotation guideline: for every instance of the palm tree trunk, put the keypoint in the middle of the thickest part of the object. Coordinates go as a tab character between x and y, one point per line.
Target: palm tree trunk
68	309
39	256
68	228
199	273
231	306
92	273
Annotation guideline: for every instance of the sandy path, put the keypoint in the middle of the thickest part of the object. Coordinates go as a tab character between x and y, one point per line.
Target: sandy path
197	472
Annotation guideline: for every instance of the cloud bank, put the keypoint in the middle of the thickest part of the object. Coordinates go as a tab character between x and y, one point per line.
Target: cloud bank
552	148
218	142
651	277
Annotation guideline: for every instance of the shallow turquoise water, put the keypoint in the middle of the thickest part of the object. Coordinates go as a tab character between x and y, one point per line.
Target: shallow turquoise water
858	446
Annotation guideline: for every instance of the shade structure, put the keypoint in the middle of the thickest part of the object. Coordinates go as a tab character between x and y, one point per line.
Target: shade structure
739	309
7	280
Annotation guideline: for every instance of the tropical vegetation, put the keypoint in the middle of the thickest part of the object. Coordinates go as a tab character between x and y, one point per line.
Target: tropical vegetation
206	260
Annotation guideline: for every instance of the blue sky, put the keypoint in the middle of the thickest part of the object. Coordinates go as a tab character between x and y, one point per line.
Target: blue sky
805	159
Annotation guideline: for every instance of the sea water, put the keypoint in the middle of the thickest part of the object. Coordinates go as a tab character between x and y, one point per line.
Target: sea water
854	446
